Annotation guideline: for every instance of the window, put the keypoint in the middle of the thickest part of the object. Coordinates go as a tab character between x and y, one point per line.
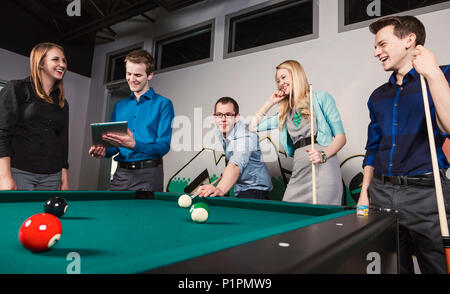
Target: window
270	25
115	64
355	14
188	47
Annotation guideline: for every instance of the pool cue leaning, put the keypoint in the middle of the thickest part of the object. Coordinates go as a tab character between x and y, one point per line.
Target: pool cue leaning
437	178
313	166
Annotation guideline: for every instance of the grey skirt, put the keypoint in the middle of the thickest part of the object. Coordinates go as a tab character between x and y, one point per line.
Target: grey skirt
328	179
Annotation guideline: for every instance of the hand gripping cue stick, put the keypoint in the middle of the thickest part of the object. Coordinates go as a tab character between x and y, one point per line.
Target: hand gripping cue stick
437	178
311	107
215	181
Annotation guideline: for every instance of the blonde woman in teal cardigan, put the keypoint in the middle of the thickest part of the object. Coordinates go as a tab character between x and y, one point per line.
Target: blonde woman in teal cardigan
294	123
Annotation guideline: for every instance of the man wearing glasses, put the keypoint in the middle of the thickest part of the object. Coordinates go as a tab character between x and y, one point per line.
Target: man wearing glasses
244	167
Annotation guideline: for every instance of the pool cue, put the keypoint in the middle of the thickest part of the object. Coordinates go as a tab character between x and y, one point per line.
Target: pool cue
313	166
437	178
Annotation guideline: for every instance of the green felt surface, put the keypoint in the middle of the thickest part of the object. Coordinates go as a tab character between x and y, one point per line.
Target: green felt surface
131	236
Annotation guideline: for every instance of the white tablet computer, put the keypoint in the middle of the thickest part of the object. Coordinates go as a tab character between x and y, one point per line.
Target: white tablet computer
98	129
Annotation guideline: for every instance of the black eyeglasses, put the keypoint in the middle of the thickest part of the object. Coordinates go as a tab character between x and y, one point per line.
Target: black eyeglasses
226	115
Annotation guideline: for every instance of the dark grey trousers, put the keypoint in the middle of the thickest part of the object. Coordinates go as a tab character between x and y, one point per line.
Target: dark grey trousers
148	179
31	181
419	228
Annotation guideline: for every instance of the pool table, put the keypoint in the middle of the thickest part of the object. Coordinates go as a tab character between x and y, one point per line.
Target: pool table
144	232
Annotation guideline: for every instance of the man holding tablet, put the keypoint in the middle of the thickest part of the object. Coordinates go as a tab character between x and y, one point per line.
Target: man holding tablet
149	116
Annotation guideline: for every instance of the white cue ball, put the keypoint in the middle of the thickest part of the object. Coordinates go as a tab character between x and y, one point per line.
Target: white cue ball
199	215
184	201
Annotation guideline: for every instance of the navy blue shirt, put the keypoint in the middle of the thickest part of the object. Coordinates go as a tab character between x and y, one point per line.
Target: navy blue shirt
397	140
150	121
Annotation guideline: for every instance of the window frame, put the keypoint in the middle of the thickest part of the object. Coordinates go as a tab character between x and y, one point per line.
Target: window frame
342	27
177	34
108	63
256	9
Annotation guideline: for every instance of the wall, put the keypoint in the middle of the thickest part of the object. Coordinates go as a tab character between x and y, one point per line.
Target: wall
15	66
340	63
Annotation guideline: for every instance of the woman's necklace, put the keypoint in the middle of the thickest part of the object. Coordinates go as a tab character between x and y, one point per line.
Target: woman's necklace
297	118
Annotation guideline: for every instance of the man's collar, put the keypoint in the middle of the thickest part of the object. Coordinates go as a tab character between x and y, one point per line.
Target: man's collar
150	94
410	76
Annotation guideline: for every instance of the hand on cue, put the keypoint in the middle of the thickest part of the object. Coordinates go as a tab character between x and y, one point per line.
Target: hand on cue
208	190
314	156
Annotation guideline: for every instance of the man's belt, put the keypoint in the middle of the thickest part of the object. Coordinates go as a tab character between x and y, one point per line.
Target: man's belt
141	164
304	142
416	180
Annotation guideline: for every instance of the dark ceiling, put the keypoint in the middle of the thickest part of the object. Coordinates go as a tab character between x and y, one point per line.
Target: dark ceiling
24	23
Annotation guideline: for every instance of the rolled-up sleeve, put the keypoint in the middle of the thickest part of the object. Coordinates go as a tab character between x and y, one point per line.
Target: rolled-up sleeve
332	115
242	149
8	118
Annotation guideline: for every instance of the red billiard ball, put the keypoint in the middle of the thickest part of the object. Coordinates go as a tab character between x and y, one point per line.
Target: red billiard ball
40	232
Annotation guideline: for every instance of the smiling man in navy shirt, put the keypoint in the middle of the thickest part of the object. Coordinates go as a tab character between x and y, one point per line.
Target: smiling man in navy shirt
397	165
149	115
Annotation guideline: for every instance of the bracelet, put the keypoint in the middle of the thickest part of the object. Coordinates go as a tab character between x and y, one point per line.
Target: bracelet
324	156
362	210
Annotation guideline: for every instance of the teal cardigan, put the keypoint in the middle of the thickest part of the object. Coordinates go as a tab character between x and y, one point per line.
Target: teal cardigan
329	122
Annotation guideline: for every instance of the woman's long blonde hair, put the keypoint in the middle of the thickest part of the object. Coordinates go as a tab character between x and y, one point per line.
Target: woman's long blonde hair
299	94
37	55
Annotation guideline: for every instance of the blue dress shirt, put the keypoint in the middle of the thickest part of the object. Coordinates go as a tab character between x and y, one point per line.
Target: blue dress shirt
150	121
242	148
397	140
